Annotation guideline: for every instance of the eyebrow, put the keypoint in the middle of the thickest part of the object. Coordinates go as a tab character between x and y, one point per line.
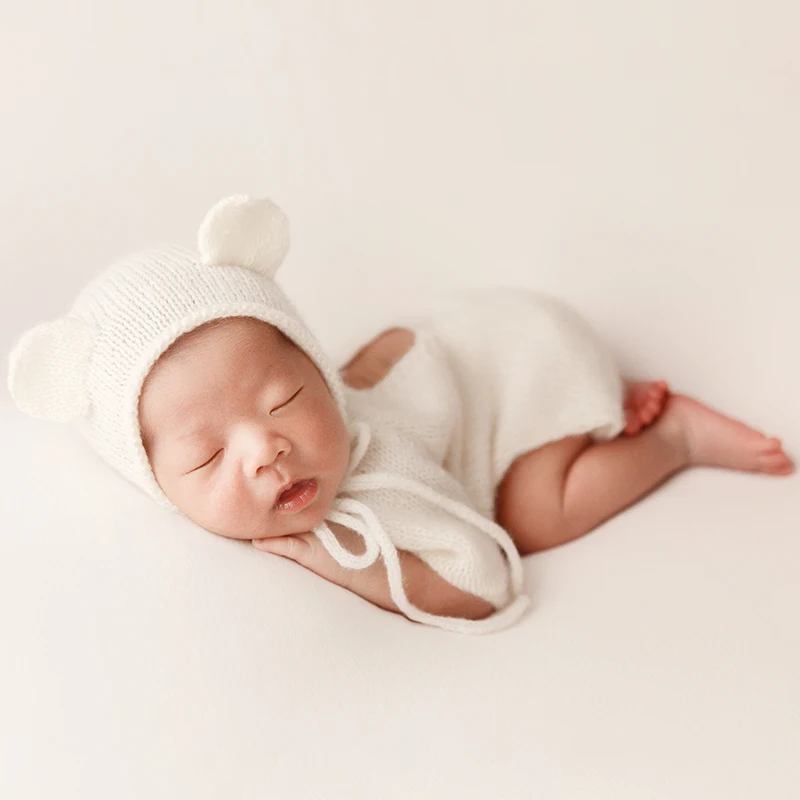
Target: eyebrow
191	429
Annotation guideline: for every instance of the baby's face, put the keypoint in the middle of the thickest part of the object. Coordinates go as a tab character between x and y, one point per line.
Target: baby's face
233	413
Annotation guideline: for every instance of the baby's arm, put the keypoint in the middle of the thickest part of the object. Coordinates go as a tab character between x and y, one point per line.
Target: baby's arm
372	363
425	589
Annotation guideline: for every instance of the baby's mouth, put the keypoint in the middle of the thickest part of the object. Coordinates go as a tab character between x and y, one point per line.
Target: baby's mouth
297	496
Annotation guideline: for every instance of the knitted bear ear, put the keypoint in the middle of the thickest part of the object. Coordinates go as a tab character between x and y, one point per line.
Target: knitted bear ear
244	232
48	370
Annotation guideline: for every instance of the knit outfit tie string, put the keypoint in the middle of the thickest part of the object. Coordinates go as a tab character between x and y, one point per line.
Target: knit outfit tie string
357	516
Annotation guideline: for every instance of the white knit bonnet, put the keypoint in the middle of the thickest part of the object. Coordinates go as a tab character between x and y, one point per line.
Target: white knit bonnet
89	366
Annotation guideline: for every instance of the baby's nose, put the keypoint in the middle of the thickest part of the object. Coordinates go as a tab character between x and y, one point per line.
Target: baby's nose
261	449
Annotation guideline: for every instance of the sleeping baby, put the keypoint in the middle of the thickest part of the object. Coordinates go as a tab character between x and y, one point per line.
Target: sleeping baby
415	476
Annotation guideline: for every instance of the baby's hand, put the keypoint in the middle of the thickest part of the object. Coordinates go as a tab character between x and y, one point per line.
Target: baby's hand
423	587
307	550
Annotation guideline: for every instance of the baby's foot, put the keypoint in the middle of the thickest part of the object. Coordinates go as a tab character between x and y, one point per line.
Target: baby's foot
644	402
714	440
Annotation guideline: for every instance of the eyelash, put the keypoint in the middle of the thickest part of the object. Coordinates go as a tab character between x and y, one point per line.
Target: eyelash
283	405
206	463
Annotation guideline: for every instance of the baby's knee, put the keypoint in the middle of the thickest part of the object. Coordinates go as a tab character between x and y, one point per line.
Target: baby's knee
531	529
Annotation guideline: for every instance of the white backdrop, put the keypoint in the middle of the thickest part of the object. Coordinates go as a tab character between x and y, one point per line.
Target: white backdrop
639	159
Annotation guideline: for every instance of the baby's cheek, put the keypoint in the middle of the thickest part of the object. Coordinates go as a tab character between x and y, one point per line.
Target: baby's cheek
325	430
214	508
230	508
239	515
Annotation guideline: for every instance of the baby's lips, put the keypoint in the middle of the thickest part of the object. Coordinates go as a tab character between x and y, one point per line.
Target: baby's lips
304	490
282	489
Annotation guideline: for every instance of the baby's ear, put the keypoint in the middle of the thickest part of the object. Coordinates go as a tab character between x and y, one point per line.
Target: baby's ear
245	232
48	370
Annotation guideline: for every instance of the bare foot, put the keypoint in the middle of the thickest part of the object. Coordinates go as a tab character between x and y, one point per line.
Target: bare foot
713	440
644	402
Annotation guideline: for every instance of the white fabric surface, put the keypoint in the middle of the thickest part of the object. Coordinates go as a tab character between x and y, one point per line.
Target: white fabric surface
640	160
144	657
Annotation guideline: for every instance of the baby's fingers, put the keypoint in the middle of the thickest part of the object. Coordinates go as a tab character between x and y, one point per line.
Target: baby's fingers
295	548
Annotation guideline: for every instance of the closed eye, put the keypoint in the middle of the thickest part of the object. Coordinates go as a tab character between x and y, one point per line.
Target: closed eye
287	402
206	463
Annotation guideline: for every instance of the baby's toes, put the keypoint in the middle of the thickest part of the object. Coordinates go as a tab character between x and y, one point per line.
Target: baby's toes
776	463
767	447
633	425
657	391
651	409
662	393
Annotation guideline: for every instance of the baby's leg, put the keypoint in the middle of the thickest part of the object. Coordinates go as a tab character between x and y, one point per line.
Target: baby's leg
565	489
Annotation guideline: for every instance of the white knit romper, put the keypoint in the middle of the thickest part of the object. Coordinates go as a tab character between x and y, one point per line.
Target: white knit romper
489	378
